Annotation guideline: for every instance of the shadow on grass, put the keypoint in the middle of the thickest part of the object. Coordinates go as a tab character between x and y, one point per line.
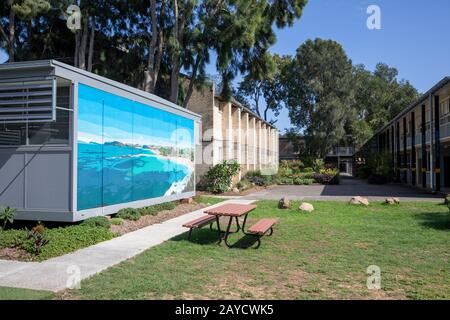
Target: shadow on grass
207	237
435	220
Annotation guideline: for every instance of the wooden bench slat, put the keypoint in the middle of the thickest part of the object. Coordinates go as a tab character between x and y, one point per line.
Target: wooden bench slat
200	222
262	226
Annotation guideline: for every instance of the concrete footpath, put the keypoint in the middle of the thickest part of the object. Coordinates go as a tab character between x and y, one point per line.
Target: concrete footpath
66	271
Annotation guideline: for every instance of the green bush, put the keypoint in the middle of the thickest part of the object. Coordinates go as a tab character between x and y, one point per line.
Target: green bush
308	170
285	180
99	222
68	239
166	206
12	238
244	184
318	165
259	179
129	214
303	181
219	177
157	208
117	221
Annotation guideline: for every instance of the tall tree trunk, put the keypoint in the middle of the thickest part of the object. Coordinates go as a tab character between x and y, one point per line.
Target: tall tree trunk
83	44
149	81
91	44
11	32
175	57
161	45
77	48
192	80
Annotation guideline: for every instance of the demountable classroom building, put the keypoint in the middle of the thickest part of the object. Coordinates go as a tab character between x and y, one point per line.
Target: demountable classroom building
74	145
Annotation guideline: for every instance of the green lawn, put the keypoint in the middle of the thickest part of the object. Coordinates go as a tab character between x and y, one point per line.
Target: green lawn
322	255
24	294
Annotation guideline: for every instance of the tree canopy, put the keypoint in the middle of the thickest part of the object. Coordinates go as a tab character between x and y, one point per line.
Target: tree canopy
149	44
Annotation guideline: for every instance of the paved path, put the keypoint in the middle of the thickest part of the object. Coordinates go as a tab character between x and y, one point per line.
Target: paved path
58	273
348	188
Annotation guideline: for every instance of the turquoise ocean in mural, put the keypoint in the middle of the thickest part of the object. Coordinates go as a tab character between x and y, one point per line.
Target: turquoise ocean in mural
128	151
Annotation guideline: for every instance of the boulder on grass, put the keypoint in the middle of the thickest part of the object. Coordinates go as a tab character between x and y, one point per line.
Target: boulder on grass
186	201
359	201
392	201
307	207
284	203
235	190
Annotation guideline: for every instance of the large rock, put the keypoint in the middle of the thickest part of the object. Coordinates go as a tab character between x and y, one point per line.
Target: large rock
235	190
392	201
307	207
284	203
359	201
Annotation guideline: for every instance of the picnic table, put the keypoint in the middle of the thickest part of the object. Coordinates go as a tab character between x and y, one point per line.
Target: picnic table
233	211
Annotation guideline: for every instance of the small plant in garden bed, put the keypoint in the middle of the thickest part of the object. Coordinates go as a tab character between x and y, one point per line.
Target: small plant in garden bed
129	214
35	241
327	176
117	221
259	179
7	215
157	208
101	222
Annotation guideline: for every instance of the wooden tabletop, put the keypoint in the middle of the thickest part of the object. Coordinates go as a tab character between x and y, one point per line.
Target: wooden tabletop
231	210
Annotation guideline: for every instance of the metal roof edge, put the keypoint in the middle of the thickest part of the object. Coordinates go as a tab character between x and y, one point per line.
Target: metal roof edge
36	64
422	98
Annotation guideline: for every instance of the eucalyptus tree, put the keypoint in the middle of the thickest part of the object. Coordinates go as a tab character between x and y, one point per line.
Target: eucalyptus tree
13	12
319	94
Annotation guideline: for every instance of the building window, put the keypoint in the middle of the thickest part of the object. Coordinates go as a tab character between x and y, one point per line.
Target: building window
44	133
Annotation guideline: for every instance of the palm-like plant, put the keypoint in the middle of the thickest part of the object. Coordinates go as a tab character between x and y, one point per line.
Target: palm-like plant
7	215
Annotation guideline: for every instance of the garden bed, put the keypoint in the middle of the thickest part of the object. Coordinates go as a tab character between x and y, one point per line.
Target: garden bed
16	244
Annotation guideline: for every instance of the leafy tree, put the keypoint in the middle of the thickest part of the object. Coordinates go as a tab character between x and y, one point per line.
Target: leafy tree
10	12
319	95
379	96
267	85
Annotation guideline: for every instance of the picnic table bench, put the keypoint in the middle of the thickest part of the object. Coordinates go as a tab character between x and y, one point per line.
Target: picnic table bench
233	211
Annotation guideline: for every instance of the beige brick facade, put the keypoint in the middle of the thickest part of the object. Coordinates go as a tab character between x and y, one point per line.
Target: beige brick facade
232	132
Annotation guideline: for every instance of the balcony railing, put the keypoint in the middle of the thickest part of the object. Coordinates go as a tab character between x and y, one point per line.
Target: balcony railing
343	151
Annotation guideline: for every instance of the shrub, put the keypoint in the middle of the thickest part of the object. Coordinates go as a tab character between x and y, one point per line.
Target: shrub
285	180
257	178
68	239
129	214
308	170
363	172
35	242
318	165
7	215
166	206
303	181
218	178
40	228
99	222
327	176
12	238
244	184
117	221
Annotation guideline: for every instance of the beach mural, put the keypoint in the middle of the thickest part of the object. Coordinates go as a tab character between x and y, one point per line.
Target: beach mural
129	151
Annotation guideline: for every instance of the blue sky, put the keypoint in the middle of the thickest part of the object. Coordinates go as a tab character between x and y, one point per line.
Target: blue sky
414	37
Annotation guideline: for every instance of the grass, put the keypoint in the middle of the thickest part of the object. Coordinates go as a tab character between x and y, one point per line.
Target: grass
321	255
24	294
208	200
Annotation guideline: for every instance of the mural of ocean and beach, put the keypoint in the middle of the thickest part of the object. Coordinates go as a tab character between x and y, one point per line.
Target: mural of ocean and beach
128	151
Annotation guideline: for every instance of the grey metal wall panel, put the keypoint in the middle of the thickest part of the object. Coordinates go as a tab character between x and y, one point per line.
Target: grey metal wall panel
48	180
12	178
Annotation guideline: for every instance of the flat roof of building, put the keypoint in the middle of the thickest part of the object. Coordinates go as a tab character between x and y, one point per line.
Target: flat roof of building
61	67
422	98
